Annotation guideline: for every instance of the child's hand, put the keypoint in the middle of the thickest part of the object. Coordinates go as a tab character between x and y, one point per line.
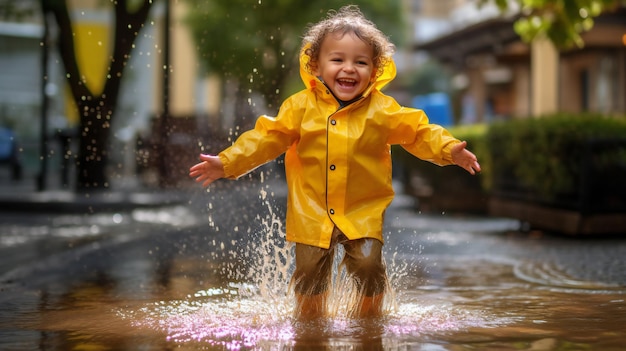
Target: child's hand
207	171
464	158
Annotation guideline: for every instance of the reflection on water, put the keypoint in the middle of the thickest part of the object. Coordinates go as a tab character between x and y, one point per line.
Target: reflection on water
458	284
243	322
496	310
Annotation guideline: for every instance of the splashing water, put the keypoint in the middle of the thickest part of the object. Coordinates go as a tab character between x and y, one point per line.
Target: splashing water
255	310
240	314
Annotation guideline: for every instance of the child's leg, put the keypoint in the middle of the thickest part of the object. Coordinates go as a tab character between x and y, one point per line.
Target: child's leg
363	261
311	280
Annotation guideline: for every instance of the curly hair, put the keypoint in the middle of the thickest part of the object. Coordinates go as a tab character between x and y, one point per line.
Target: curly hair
349	19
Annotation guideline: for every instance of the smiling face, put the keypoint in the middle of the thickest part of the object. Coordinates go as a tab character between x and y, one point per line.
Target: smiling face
346	65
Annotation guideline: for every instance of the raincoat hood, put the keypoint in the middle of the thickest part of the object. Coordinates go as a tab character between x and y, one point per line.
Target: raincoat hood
385	74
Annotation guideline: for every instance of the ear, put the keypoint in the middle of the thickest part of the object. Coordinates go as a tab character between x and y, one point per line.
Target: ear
314	67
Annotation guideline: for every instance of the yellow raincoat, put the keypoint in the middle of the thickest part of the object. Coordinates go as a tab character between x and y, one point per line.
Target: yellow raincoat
338	160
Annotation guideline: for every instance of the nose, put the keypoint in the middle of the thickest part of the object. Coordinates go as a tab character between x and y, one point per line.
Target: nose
348	67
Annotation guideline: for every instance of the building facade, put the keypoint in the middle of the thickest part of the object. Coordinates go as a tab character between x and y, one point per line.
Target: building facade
504	77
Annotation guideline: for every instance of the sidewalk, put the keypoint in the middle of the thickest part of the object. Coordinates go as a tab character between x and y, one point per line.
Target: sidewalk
55	225
23	196
41	226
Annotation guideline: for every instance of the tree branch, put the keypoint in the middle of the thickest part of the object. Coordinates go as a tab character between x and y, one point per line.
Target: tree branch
127	27
65	44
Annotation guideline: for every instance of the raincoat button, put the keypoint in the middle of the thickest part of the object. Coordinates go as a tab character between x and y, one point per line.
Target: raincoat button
332	167
332	211
333	122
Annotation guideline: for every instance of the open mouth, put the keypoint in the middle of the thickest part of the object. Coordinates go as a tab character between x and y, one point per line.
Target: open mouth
347	83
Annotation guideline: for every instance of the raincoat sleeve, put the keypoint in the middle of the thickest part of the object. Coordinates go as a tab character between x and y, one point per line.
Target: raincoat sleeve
270	137
411	130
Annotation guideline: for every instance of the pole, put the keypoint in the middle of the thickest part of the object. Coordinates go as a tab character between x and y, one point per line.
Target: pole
166	58
163	135
43	146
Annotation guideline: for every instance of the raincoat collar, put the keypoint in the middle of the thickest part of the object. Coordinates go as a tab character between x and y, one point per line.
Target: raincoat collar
312	82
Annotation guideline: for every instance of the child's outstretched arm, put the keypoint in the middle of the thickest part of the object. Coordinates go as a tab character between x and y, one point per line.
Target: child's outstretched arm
207	171
464	158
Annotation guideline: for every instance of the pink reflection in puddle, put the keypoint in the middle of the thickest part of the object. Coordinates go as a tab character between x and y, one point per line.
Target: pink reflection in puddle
259	315
235	322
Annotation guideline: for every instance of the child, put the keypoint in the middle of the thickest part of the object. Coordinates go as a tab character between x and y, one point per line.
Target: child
337	135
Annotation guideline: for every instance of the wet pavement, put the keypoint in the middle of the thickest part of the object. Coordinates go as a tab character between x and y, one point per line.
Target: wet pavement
198	270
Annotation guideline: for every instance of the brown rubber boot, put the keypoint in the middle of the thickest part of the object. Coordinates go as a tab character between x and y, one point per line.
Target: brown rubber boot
371	306
310	306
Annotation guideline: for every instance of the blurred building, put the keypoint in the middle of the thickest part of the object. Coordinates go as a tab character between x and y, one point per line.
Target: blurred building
141	98
495	73
21	88
500	76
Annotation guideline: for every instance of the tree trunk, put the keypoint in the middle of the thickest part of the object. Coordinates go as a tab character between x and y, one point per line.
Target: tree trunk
96	111
93	152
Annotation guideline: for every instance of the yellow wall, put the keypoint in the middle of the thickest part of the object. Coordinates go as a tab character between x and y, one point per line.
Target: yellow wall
92	46
93	33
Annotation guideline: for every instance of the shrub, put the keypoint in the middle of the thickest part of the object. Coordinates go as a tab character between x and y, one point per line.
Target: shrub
565	160
544	156
475	136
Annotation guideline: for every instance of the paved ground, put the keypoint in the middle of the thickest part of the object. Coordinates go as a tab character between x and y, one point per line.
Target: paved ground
35	225
84	257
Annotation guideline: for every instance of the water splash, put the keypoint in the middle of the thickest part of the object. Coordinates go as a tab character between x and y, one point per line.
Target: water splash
255	310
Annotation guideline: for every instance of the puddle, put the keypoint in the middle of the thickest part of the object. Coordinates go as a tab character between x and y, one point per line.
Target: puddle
223	286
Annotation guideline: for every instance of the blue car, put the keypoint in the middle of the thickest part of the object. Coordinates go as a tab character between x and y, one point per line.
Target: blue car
9	152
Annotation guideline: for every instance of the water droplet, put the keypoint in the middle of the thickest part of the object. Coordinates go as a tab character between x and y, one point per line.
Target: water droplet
117	218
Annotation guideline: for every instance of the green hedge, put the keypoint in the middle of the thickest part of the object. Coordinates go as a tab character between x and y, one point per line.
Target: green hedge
475	136
541	158
544	156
